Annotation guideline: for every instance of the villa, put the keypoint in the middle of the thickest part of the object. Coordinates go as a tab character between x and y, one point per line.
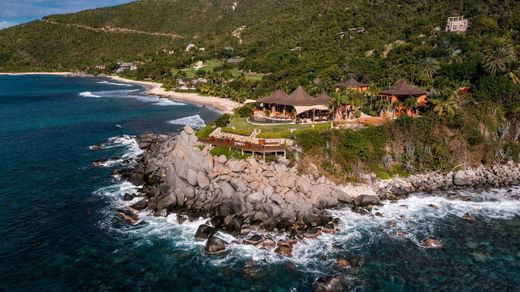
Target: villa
296	107
399	95
352	84
457	24
126	66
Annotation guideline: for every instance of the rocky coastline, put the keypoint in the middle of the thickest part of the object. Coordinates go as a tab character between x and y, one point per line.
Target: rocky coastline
250	199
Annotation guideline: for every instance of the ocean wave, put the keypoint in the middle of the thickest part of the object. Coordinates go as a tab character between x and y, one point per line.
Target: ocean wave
195	121
416	217
158	101
114	83
127	93
88	94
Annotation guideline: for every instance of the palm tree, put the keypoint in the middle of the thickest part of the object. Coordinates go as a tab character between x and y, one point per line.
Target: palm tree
497	58
428	68
338	100
448	106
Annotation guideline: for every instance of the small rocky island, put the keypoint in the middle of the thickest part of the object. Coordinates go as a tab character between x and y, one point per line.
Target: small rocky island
249	199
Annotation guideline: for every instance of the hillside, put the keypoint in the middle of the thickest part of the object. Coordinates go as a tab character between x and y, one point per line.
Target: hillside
311	34
315	44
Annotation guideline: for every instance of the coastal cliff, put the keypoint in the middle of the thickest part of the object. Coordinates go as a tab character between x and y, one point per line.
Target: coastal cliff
247	198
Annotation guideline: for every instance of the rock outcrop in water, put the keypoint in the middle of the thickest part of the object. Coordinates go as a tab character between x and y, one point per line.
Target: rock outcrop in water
500	175
179	173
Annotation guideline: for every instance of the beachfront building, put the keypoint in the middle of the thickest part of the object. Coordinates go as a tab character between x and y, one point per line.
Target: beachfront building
352	84
402	98
126	67
299	106
457	24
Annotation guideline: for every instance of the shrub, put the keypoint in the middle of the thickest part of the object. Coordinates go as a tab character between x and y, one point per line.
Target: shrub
232	154
204	132
222	121
244	111
491	88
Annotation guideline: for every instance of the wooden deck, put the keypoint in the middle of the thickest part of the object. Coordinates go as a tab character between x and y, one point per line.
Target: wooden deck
263	147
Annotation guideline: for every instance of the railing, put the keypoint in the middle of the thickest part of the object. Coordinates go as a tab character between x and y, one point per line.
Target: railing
262	147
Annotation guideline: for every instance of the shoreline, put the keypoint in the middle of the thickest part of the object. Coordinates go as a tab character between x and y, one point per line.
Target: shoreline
220	105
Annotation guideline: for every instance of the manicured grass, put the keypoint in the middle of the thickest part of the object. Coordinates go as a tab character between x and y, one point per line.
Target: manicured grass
242	127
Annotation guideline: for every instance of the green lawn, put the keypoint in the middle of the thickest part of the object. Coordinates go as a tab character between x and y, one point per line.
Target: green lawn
242	127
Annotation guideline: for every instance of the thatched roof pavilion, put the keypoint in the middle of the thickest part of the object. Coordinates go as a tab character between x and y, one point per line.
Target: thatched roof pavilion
352	84
299	100
403	89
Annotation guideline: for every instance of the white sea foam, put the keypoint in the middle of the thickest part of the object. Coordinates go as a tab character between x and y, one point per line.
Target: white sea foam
195	121
128	93
157	100
127	141
114	83
131	152
88	94
417	216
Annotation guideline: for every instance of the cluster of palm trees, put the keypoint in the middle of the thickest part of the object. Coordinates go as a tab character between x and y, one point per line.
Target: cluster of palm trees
501	58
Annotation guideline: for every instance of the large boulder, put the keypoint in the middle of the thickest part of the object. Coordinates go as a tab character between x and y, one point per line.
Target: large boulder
167	201
461	178
287	180
203	181
226	189
303	185
140	205
204	232
238	184
255	198
192	177
268	191
236	166
215	245
365	200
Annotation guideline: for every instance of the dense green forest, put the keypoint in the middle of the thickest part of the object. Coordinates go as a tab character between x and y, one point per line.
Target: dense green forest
315	44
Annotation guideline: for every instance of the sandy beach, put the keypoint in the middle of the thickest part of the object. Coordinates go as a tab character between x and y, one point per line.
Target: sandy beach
153	88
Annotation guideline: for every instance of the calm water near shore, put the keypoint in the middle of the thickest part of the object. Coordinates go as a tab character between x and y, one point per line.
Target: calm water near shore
59	231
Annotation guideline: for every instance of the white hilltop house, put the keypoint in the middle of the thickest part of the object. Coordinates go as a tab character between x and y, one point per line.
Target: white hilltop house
457	24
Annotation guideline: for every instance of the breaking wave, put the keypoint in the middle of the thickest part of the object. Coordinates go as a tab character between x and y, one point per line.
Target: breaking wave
114	83
88	94
195	121
129	93
128	142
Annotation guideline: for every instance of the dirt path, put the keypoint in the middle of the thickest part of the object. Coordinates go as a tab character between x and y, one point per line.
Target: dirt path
108	29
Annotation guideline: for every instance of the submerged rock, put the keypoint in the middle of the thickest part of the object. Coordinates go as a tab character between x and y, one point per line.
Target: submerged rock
343	263
129	216
330	283
283	250
431	243
469	218
128	197
254	239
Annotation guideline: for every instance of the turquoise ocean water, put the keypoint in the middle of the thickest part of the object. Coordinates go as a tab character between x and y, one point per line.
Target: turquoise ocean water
58	230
